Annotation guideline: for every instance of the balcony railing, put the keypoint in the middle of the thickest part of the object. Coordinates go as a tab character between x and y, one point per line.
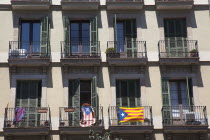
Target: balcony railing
32	118
71	116
29	50
127	49
178	49
184	115
125	0
85	49
114	117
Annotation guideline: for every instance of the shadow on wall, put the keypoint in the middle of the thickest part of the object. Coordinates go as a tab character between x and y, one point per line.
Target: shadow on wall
138	15
189	15
31	15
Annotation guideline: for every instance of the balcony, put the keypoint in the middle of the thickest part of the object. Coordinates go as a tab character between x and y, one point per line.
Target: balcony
30	4
80	4
174	4
125	4
70	119
80	53
33	54
129	53
182	52
185	119
130	127
36	121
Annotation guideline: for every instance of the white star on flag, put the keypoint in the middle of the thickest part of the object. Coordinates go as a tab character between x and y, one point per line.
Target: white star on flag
122	114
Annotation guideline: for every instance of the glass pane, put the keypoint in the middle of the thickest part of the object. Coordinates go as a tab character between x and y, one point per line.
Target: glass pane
36	37
25	36
174	93
184	93
120	37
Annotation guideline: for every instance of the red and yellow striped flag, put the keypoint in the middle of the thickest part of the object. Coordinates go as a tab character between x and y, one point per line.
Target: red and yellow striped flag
135	114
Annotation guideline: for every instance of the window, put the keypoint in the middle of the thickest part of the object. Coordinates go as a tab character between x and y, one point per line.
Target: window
128	93
125	33
30	35
80	35
34	36
175	37
28	96
82	91
177	92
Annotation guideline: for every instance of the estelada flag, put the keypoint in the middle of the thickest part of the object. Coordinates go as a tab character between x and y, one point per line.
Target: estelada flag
135	114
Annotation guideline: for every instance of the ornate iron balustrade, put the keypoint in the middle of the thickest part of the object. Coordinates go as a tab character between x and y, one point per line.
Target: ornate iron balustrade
126	49
85	49
29	50
72	116
184	115
113	112
178	49
32	118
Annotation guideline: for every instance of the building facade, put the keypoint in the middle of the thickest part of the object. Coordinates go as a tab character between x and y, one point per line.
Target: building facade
57	55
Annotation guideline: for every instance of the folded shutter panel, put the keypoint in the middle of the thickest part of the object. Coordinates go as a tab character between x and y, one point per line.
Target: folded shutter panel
94	35
44	37
66	24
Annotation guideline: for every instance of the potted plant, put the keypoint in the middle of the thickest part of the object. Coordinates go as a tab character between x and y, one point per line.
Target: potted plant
111	53
194	53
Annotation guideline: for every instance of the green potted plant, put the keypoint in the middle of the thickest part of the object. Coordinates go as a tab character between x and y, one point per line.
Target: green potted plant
194	53
111	53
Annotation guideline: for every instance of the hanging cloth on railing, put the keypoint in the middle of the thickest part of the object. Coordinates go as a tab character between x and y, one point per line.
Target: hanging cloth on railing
19	113
88	116
134	114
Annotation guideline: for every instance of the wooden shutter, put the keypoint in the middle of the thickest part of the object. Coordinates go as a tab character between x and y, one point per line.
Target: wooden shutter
75	101
166	101
94	94
130	37
94	35
19	33
118	94
66	24
165	92
28	95
115	27
189	91
44	37
175	36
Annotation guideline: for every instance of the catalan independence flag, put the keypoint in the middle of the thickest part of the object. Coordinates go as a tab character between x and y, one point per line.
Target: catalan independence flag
135	114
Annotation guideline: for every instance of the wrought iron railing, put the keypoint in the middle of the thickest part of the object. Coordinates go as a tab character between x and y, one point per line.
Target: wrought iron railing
178	48
126	49
84	49
125	0
29	50
184	115
32	117
72	116
114	118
